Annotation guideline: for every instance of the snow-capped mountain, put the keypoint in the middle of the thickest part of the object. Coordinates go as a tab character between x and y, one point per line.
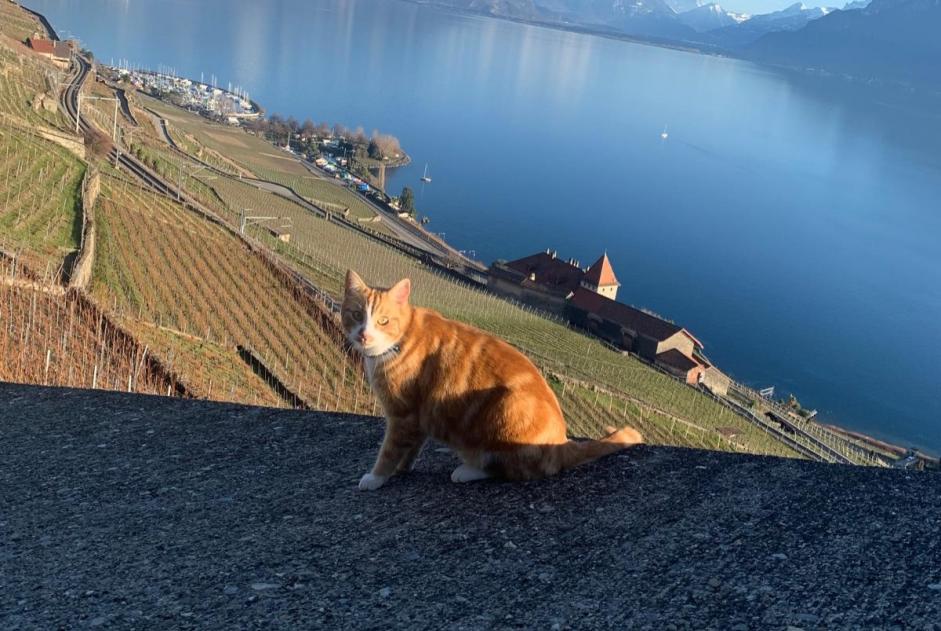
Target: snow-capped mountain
794	17
710	17
895	40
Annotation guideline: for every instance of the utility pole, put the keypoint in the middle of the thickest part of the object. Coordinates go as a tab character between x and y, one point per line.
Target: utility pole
196	169
117	145
78	113
246	220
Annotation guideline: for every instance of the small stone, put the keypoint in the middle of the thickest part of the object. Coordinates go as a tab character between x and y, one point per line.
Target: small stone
741	626
545	577
779	556
935	586
555	626
510	545
385	592
714	583
263	586
808	618
97	622
230	589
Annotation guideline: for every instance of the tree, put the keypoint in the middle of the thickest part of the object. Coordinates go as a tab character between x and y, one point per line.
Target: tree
359	136
308	129
373	150
407	201
386	146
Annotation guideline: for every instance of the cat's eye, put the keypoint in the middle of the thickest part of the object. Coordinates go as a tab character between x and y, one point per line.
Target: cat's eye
357	315
382	321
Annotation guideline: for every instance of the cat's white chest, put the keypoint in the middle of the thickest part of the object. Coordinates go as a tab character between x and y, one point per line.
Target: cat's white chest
370	364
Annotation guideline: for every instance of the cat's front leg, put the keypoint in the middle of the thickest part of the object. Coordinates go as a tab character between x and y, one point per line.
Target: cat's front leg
403	439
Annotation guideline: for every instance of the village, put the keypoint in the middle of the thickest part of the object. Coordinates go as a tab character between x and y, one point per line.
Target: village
232	105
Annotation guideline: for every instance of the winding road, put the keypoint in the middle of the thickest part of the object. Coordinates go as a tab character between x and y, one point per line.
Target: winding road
70	103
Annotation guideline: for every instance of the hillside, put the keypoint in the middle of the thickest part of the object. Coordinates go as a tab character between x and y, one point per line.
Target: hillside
125	511
792	18
244	311
891	40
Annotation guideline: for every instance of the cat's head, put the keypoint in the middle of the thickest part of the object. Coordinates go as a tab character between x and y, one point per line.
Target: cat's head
374	320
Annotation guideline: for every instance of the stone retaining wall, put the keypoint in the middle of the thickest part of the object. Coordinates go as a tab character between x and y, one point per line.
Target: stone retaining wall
81	271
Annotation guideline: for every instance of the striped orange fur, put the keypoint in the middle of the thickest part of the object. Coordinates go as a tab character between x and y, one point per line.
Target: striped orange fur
441	379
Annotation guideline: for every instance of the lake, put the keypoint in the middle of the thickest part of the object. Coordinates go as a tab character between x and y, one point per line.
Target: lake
792	223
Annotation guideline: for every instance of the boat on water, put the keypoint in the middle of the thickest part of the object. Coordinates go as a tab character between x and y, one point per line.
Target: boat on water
426	177
664	135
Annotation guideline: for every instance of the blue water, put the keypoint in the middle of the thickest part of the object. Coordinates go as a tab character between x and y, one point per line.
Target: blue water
792	223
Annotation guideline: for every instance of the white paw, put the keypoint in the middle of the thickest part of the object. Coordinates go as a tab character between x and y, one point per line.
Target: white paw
370	482
466	473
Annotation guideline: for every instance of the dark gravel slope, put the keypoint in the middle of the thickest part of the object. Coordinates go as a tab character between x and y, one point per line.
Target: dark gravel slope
137	512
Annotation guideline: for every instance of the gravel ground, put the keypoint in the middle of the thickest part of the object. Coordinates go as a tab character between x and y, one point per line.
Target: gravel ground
120	511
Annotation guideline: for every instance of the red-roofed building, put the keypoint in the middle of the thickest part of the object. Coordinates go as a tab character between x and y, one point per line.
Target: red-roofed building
681	366
58	51
600	278
547	281
627	327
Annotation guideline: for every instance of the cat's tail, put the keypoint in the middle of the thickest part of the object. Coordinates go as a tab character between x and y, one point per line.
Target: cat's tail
574	453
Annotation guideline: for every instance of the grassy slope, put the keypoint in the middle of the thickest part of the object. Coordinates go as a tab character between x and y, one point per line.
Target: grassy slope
262	159
40	199
206	293
23	77
16	23
195	292
630	392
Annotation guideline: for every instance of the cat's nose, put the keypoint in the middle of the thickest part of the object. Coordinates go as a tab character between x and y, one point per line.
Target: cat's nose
364	338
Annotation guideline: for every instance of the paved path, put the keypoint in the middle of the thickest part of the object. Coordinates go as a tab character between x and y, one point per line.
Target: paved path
121	511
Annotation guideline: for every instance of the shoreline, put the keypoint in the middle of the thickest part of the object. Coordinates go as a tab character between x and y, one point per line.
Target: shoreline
847	432
698	48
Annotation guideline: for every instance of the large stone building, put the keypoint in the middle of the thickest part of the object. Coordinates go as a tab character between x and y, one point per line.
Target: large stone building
545	280
587	298
629	328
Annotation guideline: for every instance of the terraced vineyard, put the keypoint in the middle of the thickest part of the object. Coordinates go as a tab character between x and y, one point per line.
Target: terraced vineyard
323	251
263	160
23	80
16	23
61	339
40	199
191	280
176	170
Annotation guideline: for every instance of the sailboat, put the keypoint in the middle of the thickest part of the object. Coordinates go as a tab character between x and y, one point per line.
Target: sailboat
664	135
426	177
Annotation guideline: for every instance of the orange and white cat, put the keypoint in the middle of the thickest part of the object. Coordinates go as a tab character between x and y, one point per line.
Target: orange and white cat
441	379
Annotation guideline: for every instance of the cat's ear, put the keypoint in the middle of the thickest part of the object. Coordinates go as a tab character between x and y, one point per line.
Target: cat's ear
400	291
354	282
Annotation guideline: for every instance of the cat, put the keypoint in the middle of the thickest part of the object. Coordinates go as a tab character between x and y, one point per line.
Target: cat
441	379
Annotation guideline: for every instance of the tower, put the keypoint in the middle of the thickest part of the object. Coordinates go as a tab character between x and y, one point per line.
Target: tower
600	278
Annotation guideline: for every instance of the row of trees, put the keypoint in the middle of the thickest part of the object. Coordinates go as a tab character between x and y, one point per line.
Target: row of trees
289	130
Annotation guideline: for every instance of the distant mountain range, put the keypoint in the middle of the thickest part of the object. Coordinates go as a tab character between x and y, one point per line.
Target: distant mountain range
892	40
896	40
745	32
